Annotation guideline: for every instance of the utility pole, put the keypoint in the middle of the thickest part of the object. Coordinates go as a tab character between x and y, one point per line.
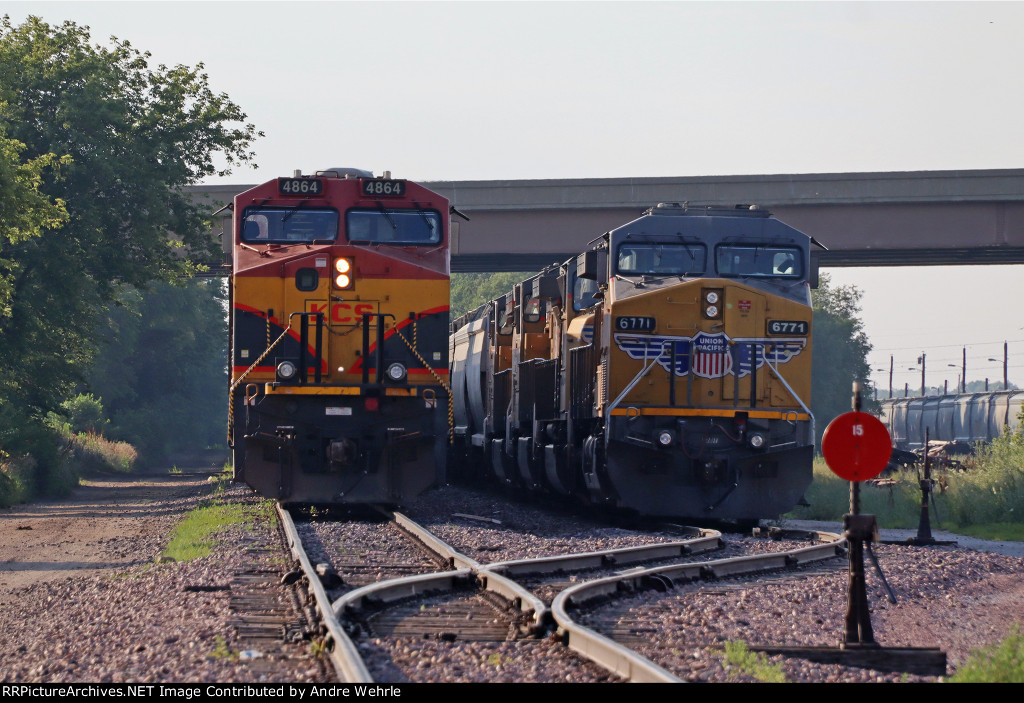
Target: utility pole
922	362
963	388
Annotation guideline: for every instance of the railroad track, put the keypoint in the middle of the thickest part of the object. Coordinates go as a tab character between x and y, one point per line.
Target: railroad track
402	600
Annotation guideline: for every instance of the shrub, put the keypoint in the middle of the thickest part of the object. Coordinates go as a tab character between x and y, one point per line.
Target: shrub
92	453
16	479
1000	663
85	414
988	491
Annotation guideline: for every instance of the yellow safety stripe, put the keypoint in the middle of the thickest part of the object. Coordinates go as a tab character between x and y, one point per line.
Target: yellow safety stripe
704	412
271	389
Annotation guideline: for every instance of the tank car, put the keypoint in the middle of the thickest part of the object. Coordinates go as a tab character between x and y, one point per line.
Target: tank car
339	356
964	419
665	371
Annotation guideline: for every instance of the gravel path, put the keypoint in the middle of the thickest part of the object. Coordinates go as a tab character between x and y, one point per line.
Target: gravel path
82	599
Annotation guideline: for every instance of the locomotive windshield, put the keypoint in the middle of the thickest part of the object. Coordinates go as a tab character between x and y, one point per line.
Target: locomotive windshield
638	258
735	260
390	226
264	225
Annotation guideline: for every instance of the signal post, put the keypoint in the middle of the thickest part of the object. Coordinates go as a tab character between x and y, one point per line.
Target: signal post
856	447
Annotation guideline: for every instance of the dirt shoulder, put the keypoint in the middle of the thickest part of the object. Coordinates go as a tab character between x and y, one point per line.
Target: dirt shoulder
110	523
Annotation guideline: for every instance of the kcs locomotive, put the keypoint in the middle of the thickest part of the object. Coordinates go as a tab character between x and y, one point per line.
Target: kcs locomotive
339	320
665	371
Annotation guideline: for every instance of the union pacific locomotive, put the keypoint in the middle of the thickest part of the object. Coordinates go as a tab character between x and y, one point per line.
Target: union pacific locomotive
339	319
664	371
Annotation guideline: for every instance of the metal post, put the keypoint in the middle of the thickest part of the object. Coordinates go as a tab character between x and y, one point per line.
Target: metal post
1006	379
859	529
922	375
366	348
924	526
890	376
963	374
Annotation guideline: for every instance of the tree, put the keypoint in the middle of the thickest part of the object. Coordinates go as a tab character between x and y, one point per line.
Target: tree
25	213
162	367
840	351
130	137
471	290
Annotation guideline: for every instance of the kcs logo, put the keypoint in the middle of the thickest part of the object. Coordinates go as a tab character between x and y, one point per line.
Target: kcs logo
344	312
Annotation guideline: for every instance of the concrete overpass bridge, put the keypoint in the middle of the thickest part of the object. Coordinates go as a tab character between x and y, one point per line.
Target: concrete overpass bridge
909	218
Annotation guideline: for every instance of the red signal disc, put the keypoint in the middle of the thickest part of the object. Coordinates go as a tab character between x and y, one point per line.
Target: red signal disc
856	446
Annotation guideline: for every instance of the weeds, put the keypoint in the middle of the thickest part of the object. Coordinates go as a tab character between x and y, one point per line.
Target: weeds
221	649
999	663
986	499
753	664
193	537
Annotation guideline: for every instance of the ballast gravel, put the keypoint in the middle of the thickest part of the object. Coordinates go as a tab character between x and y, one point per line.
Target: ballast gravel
136	620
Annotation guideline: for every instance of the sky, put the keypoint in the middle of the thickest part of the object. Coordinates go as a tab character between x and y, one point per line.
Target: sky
515	90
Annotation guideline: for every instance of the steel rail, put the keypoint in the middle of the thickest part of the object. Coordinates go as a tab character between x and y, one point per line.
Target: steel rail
530	606
633	666
609	558
340	649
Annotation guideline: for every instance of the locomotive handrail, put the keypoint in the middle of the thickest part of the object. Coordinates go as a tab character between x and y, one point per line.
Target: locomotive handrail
233	386
632	384
789	388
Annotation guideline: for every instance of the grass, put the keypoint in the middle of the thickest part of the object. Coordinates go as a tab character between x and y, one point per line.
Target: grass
753	664
1000	663
193	538
984	500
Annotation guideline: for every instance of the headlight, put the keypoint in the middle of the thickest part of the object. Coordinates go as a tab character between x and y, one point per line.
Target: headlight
343	274
395	372
287	370
712	311
712	297
757	440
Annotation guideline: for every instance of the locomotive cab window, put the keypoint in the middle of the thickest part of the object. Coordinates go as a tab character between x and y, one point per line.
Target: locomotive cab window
392	226
533	311
288	225
736	260
584	294
649	258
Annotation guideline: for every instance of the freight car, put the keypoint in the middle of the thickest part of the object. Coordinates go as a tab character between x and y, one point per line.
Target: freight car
964	419
665	371
339	319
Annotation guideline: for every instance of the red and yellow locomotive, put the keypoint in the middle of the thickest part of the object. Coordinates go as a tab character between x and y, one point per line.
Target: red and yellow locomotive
339	324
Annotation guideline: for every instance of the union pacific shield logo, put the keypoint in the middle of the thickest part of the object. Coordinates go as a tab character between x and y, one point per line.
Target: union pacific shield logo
711	357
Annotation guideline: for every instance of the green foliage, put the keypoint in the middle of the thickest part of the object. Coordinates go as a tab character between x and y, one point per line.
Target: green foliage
989	493
999	663
161	369
471	290
840	352
193	538
24	212
898	505
991	488
85	413
127	138
753	664
92	453
16	480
